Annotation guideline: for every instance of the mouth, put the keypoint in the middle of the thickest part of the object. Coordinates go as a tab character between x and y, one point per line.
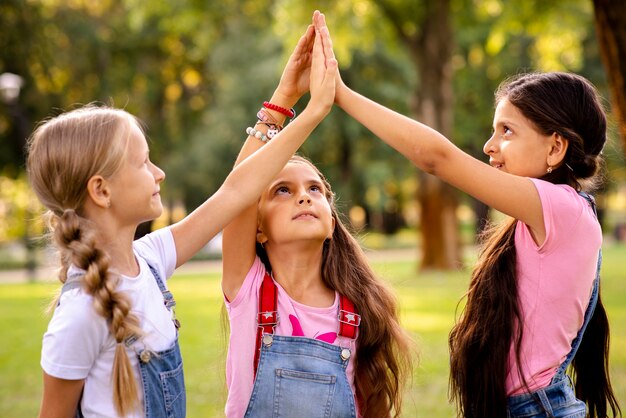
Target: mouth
496	164
305	215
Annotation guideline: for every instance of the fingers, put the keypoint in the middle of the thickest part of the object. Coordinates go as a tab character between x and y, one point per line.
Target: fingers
305	43
319	21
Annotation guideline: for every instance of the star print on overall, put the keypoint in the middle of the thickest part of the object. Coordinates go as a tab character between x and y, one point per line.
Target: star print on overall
328	337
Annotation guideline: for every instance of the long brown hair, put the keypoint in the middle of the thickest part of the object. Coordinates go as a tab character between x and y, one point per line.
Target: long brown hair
383	358
63	154
490	324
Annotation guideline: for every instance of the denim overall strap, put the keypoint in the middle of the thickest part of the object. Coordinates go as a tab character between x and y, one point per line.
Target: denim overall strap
349	320
161	372
267	317
593	300
558	399
301	377
168	297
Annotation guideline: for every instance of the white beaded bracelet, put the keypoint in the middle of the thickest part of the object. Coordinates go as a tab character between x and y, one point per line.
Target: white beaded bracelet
257	134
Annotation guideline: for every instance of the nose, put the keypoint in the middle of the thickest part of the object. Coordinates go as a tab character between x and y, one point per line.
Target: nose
304	198
159	175
490	145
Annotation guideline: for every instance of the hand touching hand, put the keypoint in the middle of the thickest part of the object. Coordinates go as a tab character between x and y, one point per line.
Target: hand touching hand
323	70
294	82
319	22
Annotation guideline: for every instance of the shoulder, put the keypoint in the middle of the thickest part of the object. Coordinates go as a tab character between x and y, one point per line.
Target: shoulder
250	287
75	336
559	197
75	314
158	250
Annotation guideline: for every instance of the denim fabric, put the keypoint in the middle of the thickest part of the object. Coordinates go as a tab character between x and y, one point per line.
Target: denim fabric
558	400
555	401
163	383
301	377
162	373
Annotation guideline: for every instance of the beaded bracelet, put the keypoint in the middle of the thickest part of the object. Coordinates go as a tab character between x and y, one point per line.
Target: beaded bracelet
272	129
257	134
290	113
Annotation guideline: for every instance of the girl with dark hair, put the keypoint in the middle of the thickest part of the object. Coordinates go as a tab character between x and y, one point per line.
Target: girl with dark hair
111	348
535	286
313	332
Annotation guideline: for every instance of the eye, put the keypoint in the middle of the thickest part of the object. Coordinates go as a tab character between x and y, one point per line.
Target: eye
316	188
506	131
282	190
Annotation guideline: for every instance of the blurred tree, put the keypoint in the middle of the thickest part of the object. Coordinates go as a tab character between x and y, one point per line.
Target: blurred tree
610	19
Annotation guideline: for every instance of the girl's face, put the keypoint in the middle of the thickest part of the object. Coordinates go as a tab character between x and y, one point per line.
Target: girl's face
516	146
294	208
135	196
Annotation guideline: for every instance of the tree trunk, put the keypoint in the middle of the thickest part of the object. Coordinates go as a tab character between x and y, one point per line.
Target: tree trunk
610	18
432	53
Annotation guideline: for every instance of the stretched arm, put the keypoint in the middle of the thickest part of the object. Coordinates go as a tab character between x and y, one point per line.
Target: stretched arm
239	237
245	183
435	154
60	397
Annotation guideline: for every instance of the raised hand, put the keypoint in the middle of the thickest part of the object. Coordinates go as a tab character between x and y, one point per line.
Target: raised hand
295	80
319	22
323	69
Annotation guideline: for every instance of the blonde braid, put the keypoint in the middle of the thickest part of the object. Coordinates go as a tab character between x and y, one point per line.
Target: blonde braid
76	239
64	153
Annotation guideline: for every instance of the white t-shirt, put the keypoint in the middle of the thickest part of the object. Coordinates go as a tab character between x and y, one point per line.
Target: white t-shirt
78	344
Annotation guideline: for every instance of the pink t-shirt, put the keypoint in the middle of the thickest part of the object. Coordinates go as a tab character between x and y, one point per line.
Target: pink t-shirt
296	319
554	283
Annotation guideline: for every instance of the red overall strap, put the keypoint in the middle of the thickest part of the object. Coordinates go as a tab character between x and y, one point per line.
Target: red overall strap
267	316
349	320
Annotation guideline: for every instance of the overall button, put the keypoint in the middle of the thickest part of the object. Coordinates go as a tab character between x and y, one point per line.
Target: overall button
145	356
345	354
268	339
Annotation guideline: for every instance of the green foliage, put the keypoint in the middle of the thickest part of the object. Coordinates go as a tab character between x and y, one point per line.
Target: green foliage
196	73
19	209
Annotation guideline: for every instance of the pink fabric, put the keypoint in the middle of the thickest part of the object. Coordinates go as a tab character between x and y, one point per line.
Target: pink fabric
295	320
555	281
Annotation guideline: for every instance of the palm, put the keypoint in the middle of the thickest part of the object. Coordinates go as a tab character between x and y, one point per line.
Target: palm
295	79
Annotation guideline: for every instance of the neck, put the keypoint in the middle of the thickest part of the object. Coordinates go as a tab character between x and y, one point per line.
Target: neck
299	271
118	244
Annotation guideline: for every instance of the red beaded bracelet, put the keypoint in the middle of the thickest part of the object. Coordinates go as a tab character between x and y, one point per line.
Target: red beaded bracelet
290	113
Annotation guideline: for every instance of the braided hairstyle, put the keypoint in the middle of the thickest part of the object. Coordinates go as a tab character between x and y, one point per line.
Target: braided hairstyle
63	154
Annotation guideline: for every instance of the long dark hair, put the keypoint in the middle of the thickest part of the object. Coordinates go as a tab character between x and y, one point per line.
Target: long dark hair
490	324
383	358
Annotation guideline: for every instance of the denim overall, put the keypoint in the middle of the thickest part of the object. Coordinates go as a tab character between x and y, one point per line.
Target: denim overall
301	377
558	400
161	372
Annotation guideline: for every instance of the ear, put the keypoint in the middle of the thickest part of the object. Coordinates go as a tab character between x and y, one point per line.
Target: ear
261	238
332	227
558	149
98	191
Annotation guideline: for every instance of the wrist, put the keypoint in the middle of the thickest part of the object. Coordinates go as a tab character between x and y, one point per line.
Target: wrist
283	100
341	91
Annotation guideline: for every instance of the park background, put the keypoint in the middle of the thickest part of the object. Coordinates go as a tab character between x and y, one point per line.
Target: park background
196	72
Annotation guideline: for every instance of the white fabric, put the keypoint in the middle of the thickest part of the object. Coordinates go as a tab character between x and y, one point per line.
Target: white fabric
78	344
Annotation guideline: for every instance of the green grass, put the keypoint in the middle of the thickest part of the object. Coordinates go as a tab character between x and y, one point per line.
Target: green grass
428	302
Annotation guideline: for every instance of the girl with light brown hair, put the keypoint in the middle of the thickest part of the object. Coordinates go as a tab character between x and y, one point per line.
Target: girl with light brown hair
111	348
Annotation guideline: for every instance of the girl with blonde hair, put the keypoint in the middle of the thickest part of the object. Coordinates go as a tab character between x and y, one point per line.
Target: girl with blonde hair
111	348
